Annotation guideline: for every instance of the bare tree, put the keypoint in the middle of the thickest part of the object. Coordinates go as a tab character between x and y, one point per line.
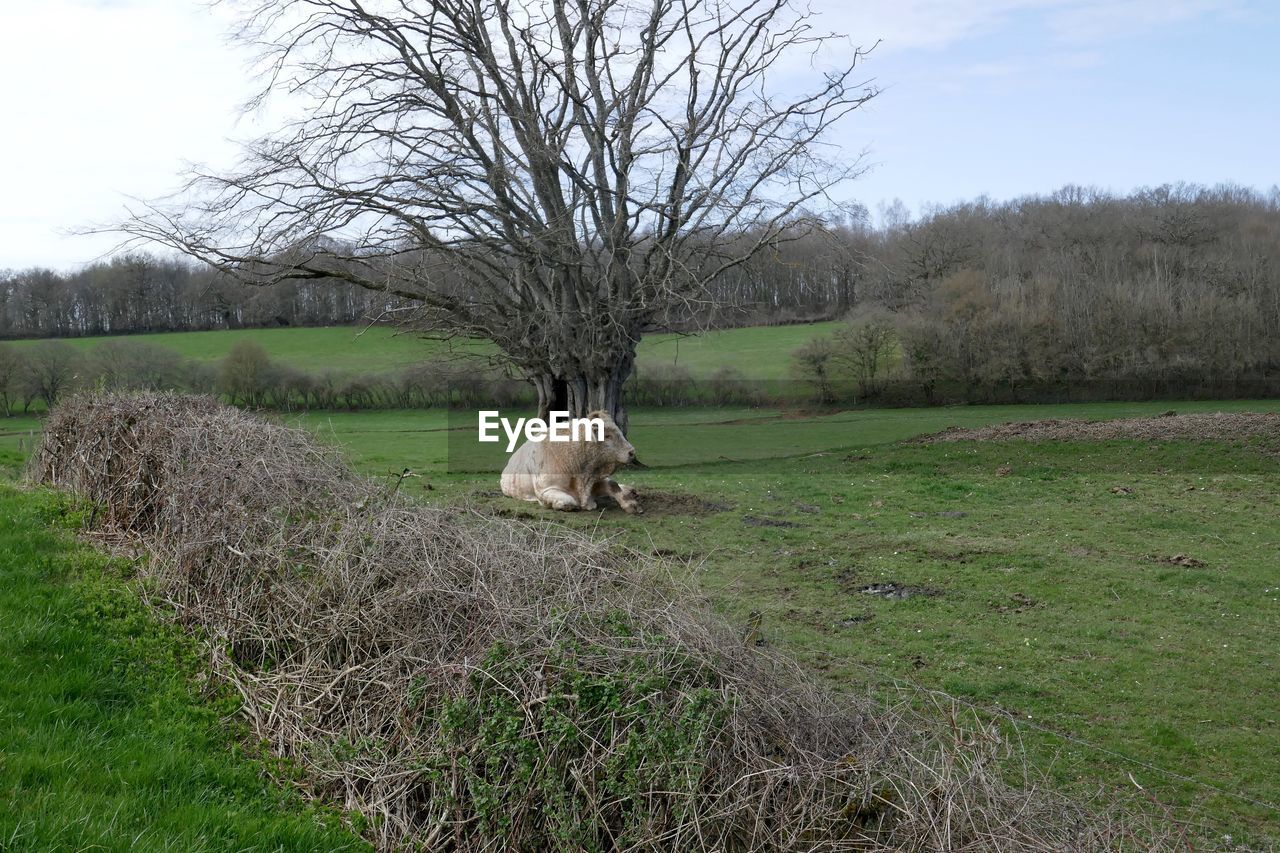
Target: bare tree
120	363
246	374
51	370
11	370
865	346
545	174
812	362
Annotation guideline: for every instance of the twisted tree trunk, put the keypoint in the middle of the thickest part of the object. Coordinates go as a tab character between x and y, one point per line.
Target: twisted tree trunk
579	393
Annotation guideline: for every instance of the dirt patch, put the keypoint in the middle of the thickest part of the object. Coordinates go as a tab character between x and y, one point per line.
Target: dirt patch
654	502
1017	603
848	579
764	521
518	514
897	591
958	553
658	502
1183	560
1209	426
484	494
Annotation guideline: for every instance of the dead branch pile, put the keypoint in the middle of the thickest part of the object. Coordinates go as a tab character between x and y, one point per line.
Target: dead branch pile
463	683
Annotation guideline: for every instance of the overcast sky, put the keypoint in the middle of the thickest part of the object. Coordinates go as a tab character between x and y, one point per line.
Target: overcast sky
105	99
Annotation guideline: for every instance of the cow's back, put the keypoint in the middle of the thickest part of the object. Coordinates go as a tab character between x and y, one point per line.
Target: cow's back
538	465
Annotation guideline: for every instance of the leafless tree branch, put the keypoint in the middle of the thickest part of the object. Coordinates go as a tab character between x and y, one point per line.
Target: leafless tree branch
548	175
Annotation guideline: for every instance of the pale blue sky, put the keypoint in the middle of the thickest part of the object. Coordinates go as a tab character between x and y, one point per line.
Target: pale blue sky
1117	95
108	98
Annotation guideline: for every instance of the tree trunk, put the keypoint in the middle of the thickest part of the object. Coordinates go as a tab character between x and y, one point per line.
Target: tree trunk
582	393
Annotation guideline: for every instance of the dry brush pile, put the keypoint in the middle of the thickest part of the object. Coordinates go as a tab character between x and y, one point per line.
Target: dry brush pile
468	683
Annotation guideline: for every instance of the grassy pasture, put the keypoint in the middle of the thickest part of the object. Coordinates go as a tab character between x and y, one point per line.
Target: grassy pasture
103	743
1122	593
759	353
386	442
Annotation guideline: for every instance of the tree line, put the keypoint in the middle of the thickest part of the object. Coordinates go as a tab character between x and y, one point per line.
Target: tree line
139	293
37	375
1174	284
1168	291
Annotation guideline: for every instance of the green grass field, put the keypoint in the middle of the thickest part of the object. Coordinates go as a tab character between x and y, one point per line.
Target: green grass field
1057	598
759	353
388	442
1120	600
104	744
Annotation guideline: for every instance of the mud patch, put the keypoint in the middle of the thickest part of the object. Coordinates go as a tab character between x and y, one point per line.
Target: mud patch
658	502
848	579
897	591
1017	603
1183	560
957	554
765	521
1208	426
518	514
495	503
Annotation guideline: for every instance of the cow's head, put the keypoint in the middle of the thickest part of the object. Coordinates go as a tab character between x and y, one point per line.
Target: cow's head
615	448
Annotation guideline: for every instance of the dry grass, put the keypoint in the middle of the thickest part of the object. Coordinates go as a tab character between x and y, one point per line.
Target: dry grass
463	683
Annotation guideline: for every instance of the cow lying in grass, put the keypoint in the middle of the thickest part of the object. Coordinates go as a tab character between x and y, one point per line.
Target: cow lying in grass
570	475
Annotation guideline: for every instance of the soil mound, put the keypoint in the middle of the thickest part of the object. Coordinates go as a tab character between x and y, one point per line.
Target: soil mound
1209	426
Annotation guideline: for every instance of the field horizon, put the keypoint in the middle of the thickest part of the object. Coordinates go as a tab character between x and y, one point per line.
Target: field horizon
753	350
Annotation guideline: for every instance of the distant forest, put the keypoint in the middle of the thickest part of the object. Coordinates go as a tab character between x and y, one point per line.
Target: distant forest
141	293
1165	283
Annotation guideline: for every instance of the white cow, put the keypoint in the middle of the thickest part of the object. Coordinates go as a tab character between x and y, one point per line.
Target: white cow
570	475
